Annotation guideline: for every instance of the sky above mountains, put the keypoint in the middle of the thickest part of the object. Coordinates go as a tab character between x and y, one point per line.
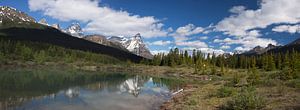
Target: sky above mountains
207	25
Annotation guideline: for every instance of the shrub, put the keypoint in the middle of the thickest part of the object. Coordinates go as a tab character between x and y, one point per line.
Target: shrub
294	83
253	77
286	74
40	56
224	92
247	99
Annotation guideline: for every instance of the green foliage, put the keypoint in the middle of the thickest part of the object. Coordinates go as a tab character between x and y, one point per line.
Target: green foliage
224	91
253	76
286	73
246	99
295	83
40	57
41	52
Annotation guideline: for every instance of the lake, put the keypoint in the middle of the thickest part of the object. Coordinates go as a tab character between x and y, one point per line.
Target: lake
73	90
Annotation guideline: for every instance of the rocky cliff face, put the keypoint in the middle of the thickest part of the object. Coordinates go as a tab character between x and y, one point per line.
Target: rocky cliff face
134	45
75	30
100	39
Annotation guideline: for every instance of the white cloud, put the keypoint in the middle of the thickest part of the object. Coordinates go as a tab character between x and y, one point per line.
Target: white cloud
160	43
196	44
270	12
241	49
154	52
182	33
247	43
287	28
100	19
206	50
237	9
225	47
203	37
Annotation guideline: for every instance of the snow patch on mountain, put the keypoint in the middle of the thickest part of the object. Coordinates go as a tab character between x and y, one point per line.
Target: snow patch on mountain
75	30
134	45
12	14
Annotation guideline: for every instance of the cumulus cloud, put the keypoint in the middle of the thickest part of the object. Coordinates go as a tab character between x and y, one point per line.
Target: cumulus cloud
155	52
246	43
287	28
244	23
270	12
196	44
100	19
160	43
206	50
182	34
225	47
203	37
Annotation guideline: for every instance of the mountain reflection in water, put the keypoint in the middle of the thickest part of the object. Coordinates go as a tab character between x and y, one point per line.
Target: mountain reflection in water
104	92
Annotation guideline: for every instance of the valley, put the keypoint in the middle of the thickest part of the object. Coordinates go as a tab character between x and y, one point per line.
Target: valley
45	66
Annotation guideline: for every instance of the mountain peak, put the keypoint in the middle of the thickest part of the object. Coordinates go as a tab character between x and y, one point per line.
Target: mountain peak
43	21
137	36
12	14
75	30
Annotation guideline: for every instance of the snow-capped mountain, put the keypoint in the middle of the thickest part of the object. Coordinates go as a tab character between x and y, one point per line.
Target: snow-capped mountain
75	30
118	39
12	14
43	22
56	26
134	45
100	39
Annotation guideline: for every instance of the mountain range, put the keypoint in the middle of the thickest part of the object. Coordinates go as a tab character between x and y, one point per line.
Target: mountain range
16	25
135	45
293	46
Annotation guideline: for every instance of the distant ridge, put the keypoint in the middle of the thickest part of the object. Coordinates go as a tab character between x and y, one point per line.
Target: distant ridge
20	26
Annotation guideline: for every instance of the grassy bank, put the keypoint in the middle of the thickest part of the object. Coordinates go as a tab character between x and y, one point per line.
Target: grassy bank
240	90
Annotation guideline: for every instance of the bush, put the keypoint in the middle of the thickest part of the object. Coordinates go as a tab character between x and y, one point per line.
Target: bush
254	77
294	83
224	92
40	57
286	74
235	80
247	99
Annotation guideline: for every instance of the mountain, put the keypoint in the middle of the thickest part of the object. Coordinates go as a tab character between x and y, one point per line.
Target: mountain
43	22
295	45
296	42
28	30
138	47
134	45
100	39
118	39
259	50
75	30
56	26
11	14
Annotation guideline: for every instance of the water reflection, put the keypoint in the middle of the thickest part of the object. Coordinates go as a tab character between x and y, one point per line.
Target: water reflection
87	92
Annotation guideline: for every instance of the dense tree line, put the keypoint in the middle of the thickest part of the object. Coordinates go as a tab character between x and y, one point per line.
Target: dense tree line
288	62
22	51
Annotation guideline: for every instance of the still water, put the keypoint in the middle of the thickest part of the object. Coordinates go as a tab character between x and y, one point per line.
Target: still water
81	91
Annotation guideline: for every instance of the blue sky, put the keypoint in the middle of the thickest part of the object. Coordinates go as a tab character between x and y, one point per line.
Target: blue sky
208	25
